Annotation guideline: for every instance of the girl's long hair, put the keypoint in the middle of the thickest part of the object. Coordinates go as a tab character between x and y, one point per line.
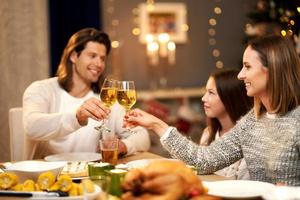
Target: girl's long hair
233	95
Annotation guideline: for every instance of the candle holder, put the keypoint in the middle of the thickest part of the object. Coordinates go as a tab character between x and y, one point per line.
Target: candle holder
160	48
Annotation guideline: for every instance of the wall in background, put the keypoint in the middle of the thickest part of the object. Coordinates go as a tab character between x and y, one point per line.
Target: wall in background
23	56
194	60
24	48
67	17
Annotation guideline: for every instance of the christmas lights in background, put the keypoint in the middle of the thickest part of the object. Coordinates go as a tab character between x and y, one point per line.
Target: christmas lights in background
111	28
217	11
279	17
158	46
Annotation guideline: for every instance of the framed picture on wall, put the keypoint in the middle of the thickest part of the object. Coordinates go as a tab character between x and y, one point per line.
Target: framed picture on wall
164	18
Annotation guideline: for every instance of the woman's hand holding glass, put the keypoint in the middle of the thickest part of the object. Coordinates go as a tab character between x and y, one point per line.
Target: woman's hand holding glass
137	117
126	95
108	96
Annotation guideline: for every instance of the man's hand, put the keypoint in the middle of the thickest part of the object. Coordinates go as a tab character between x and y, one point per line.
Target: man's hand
91	108
122	149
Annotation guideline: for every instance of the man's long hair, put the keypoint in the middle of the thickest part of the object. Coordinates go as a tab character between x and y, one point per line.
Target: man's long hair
77	43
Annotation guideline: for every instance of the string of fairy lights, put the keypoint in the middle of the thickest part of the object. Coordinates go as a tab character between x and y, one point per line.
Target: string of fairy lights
212	41
135	21
113	24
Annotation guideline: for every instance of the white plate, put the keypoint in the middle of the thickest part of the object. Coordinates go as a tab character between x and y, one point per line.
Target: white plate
283	193
138	163
88	196
238	188
31	169
75	156
143	162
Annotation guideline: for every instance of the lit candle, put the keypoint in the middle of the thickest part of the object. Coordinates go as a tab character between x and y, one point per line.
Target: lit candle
163	39
149	38
152	52
171	52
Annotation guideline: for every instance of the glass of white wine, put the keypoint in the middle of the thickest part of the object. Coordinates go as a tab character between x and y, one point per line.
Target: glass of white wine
108	96
126	96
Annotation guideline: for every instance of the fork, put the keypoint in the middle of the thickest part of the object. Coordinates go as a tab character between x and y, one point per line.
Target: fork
2	168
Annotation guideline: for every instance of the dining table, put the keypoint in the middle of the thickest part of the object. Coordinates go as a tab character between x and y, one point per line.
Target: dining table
149	155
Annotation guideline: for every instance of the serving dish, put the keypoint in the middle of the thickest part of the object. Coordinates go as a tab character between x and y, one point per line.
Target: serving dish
237	189
32	169
45	196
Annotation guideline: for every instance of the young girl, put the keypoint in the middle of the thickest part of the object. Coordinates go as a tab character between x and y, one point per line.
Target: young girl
225	101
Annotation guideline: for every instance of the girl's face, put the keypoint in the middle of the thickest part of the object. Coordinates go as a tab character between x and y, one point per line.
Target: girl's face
254	74
213	106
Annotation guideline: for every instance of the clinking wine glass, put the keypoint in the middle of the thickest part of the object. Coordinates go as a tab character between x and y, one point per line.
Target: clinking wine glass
126	96
108	96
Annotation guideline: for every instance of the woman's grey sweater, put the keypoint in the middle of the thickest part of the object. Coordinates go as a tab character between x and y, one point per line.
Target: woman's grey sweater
271	148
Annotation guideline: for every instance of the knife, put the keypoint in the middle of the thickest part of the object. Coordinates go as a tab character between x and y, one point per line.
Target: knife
32	194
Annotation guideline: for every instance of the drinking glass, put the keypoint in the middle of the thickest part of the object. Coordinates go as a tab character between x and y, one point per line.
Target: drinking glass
108	96
109	149
126	96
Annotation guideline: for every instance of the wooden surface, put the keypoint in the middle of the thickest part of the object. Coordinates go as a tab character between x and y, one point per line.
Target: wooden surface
171	93
139	156
148	155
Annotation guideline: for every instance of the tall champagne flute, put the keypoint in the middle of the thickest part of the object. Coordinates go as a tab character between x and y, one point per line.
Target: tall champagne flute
108	96
126	95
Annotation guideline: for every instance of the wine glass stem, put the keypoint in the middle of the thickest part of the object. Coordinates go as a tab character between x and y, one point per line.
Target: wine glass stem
103	121
129	129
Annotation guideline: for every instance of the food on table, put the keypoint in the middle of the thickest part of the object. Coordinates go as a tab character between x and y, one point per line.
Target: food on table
18	187
46	182
8	180
164	180
111	197
88	185
76	169
54	187
64	183
29	185
74	191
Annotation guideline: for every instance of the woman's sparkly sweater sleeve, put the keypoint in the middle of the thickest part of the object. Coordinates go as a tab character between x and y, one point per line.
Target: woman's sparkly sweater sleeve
207	159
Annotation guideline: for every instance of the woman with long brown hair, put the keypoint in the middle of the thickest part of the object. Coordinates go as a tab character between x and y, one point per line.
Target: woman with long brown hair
268	136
